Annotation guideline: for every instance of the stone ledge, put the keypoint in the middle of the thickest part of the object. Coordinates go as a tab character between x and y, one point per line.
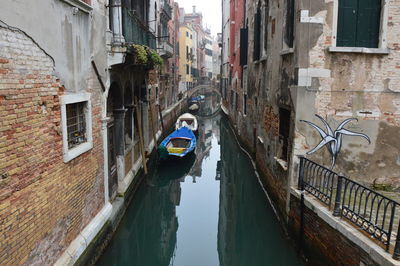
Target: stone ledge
79	4
377	254
359	50
82	241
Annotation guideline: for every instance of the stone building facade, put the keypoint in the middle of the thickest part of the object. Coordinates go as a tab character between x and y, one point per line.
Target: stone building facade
299	65
73	100
301	59
52	182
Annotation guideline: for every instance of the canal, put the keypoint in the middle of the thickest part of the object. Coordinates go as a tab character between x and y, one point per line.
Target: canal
206	210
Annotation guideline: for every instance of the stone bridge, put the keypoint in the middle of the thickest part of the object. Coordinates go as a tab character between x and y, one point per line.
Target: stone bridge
206	88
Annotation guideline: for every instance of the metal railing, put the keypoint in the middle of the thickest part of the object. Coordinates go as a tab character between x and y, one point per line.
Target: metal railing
135	31
363	207
167	9
317	180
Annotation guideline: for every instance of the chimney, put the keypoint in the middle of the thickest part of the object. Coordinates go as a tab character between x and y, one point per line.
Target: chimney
194	9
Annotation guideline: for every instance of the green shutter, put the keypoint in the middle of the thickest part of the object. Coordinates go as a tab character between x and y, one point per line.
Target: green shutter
347	23
368	23
358	23
243	46
289	35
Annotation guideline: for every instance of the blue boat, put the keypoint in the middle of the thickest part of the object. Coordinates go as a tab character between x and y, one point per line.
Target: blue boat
179	143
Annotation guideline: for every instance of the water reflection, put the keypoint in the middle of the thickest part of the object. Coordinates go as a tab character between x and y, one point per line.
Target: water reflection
248	231
205	210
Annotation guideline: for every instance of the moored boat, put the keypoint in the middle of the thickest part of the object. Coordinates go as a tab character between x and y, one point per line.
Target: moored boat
187	120
179	143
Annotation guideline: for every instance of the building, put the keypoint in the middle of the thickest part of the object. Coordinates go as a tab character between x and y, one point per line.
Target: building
79	95
225	66
53	175
289	62
166	49
186	54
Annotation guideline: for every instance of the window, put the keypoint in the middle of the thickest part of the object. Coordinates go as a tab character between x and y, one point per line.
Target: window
257	31
266	24
187	52
191	37
358	23
128	131
187	69
76	125
187	34
245	104
289	30
243	46
284	131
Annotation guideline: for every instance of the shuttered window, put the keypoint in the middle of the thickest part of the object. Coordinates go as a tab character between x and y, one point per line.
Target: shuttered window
289	34
358	23
257	31
243	46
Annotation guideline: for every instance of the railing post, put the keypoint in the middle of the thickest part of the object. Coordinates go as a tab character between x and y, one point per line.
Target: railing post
396	253
300	185
336	209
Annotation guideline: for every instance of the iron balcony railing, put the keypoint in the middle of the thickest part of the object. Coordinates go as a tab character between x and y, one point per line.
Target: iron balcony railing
167	9
135	31
374	213
166	49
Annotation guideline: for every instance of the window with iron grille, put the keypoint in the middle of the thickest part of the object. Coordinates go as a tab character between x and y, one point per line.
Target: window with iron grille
76	118
76	124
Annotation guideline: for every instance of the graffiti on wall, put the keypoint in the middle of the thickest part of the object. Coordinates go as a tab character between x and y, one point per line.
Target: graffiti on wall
333	140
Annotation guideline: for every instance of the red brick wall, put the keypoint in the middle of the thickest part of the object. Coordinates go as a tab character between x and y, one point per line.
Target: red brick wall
324	245
44	203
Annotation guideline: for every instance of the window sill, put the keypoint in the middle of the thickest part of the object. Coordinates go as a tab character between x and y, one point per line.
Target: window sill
264	58
282	163
79	4
287	51
75	152
359	50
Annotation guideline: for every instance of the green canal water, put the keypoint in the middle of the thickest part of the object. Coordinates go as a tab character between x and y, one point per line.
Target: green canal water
208	209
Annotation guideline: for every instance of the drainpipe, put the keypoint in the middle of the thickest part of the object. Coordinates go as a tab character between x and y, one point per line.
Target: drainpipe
116	23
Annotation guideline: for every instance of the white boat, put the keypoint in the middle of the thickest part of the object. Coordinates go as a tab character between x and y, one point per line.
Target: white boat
187	120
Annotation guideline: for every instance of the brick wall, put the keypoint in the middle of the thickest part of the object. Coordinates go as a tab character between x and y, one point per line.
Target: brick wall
44	203
323	244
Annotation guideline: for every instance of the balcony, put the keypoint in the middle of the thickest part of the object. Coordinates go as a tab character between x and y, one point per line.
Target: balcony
166	49
167	10
135	31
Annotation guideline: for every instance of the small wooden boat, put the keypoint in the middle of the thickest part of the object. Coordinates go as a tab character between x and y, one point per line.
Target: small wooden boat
193	108
187	120
179	143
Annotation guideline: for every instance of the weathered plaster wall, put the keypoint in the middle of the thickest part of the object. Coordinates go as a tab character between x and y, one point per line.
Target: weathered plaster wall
44	202
346	85
62	33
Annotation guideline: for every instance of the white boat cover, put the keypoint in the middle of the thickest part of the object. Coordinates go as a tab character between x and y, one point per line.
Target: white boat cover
187	120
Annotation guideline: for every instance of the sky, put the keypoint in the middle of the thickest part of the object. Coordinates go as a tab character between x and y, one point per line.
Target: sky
211	10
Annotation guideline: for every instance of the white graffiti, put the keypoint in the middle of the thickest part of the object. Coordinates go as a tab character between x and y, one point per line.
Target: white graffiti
333	139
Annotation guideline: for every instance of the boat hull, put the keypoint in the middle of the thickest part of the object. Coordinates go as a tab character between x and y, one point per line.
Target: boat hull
178	144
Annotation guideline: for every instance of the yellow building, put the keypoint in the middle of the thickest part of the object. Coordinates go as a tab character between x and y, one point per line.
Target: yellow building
186	54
